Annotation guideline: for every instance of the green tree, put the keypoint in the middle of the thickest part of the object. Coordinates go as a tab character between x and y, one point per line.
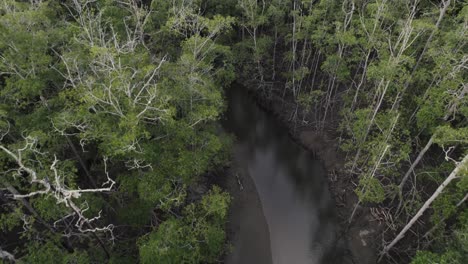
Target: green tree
196	236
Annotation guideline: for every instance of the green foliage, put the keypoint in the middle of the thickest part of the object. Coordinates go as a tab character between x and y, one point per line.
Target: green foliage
138	86
461	234
445	135
426	257
308	100
49	253
370	190
11	220
445	205
141	86
195	237
452	250
48	208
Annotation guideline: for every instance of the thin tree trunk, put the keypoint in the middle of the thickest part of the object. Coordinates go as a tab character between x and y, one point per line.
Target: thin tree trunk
273	75
443	219
426	205
363	75
371	123
453	105
83	165
67	245
312	85
371	176
77	155
428	41
419	158
354	211
99	240
416	162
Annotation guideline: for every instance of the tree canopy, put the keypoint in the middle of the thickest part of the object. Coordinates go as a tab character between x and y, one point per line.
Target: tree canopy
109	118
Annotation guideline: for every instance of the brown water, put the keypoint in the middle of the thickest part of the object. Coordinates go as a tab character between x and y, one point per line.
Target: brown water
284	214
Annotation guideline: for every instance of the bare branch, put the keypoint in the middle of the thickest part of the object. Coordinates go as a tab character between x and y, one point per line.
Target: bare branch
7	255
57	188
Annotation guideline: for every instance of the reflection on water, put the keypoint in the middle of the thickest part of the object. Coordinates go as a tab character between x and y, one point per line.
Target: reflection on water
290	183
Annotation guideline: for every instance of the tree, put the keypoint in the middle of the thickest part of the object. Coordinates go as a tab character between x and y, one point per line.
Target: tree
100	84
459	171
195	237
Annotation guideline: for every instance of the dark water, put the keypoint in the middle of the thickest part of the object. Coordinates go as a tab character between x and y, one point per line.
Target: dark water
295	207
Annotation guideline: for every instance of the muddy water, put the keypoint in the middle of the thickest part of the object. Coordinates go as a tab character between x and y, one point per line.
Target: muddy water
282	211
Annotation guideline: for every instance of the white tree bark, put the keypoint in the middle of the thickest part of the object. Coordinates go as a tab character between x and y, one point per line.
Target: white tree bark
7	255
442	11
387	146
341	49
416	162
57	188
426	205
410	170
443	219
451	110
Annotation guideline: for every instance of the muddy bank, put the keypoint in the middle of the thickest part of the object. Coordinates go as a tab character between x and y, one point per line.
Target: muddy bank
363	235
247	228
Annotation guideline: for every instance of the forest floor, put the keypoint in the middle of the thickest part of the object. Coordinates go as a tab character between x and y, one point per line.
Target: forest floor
364	234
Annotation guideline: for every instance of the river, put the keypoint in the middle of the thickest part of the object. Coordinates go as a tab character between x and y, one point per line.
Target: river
282	211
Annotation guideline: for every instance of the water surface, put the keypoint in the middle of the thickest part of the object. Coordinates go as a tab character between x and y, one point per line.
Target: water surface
295	208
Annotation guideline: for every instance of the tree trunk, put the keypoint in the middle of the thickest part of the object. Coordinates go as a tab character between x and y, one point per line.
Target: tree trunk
371	123
361	81
28	206
454	104
416	162
426	205
410	170
443	219
7	255
372	176
354	211
83	165
445	5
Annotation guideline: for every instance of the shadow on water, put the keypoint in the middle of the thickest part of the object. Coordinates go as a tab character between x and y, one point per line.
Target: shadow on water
291	186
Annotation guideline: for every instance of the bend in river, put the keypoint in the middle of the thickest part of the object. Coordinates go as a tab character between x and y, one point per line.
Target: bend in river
287	216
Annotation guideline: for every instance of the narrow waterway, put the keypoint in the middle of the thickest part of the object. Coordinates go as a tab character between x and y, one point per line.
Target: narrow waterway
282	212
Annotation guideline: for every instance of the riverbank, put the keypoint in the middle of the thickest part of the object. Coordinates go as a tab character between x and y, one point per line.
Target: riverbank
363	234
246	220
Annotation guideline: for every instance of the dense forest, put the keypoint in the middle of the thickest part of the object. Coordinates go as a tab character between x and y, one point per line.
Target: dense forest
109	120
